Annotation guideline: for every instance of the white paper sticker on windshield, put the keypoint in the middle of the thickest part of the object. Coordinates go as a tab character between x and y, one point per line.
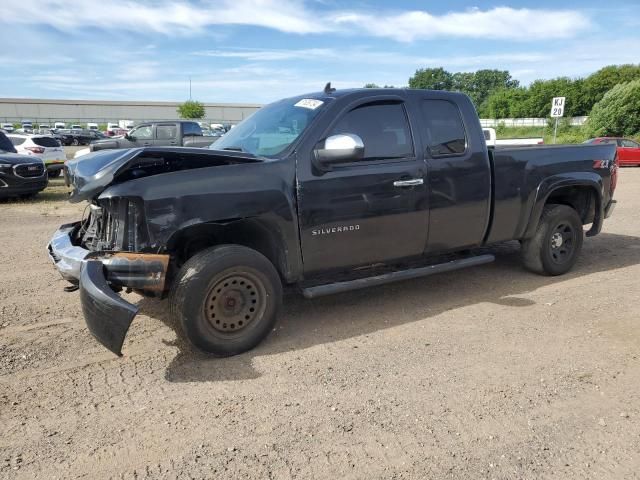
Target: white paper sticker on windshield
310	103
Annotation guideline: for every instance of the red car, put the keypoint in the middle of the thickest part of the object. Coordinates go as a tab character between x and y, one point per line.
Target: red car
628	150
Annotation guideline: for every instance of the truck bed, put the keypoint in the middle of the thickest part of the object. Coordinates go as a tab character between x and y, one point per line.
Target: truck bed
517	174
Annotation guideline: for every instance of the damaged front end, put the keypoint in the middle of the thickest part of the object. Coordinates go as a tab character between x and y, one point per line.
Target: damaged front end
112	249
100	274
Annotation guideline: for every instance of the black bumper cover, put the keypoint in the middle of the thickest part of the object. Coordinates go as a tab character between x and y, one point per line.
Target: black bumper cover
107	315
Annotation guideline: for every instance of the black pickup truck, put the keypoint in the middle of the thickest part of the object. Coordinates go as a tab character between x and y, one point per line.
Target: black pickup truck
321	193
183	133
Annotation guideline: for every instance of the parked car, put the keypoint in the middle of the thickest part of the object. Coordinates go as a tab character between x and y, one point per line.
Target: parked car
59	125
80	137
20	175
76	126
92	126
491	140
322	193
7	127
115	131
179	133
44	147
628	150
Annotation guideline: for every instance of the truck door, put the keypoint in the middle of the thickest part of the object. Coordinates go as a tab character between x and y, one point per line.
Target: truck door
141	136
459	181
166	134
371	210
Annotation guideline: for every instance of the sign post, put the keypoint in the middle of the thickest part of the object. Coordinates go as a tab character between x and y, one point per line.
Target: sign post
557	111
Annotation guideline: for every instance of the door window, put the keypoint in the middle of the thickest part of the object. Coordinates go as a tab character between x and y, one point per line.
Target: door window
629	144
383	128
444	129
143	132
191	128
166	132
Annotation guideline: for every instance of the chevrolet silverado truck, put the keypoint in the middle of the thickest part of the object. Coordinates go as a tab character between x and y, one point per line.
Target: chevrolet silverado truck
182	133
321	193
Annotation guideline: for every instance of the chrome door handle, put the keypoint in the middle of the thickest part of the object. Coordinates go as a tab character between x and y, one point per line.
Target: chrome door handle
408	183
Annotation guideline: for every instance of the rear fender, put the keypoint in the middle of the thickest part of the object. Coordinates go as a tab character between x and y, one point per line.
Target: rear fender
552	184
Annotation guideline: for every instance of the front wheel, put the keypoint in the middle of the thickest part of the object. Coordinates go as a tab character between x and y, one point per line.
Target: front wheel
556	245
227	299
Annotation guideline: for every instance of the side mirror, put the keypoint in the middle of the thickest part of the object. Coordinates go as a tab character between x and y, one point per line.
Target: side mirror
340	148
131	138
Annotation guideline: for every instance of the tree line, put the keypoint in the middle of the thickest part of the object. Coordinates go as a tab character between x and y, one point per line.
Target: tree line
496	94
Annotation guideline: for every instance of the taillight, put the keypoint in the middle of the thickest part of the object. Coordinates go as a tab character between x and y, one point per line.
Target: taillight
614	173
35	149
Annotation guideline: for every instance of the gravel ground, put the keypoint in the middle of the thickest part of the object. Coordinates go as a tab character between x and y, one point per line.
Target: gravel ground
490	372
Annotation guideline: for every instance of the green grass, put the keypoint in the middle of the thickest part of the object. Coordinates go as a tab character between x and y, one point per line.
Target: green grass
566	134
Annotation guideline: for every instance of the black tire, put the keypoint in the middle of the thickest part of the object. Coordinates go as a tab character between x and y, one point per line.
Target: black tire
227	299
75	142
556	245
54	173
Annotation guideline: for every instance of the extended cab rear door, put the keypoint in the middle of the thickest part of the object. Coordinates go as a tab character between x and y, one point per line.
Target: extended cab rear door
459	179
167	134
371	210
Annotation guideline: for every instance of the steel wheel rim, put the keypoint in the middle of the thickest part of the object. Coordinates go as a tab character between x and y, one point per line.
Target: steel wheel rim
562	243
235	302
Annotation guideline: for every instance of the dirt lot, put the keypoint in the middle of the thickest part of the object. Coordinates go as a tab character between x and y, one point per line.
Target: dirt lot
491	372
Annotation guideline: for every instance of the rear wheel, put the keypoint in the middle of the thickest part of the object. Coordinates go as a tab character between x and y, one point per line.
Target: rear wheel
227	299
75	142
556	245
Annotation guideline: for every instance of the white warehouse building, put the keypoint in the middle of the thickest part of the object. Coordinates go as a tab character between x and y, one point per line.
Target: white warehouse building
17	110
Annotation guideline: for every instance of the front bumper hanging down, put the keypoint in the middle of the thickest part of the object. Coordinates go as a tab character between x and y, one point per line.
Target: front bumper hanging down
107	315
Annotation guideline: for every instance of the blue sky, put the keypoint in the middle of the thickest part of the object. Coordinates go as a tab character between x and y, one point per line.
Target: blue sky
260	50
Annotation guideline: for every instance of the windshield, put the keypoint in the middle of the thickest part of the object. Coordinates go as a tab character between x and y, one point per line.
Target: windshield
270	130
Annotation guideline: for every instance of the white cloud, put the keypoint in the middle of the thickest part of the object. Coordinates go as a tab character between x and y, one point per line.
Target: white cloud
168	17
293	16
258	55
496	23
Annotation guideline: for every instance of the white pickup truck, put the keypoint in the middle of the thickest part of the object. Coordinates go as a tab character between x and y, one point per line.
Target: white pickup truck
492	141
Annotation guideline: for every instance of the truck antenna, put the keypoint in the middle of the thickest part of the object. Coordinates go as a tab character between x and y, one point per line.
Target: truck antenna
328	89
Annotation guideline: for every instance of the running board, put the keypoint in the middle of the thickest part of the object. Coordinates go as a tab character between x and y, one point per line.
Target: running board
331	288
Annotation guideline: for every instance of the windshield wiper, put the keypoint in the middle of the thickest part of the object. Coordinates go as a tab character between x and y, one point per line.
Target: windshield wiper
234	149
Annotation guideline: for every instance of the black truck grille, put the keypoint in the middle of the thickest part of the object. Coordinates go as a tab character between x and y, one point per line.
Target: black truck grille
29	170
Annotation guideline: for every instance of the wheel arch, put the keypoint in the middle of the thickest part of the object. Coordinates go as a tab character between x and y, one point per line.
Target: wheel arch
255	233
580	191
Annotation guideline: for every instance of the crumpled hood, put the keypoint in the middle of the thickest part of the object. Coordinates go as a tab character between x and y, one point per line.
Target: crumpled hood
92	173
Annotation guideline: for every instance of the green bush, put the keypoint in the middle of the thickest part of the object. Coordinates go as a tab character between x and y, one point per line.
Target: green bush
191	109
501	129
618	113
